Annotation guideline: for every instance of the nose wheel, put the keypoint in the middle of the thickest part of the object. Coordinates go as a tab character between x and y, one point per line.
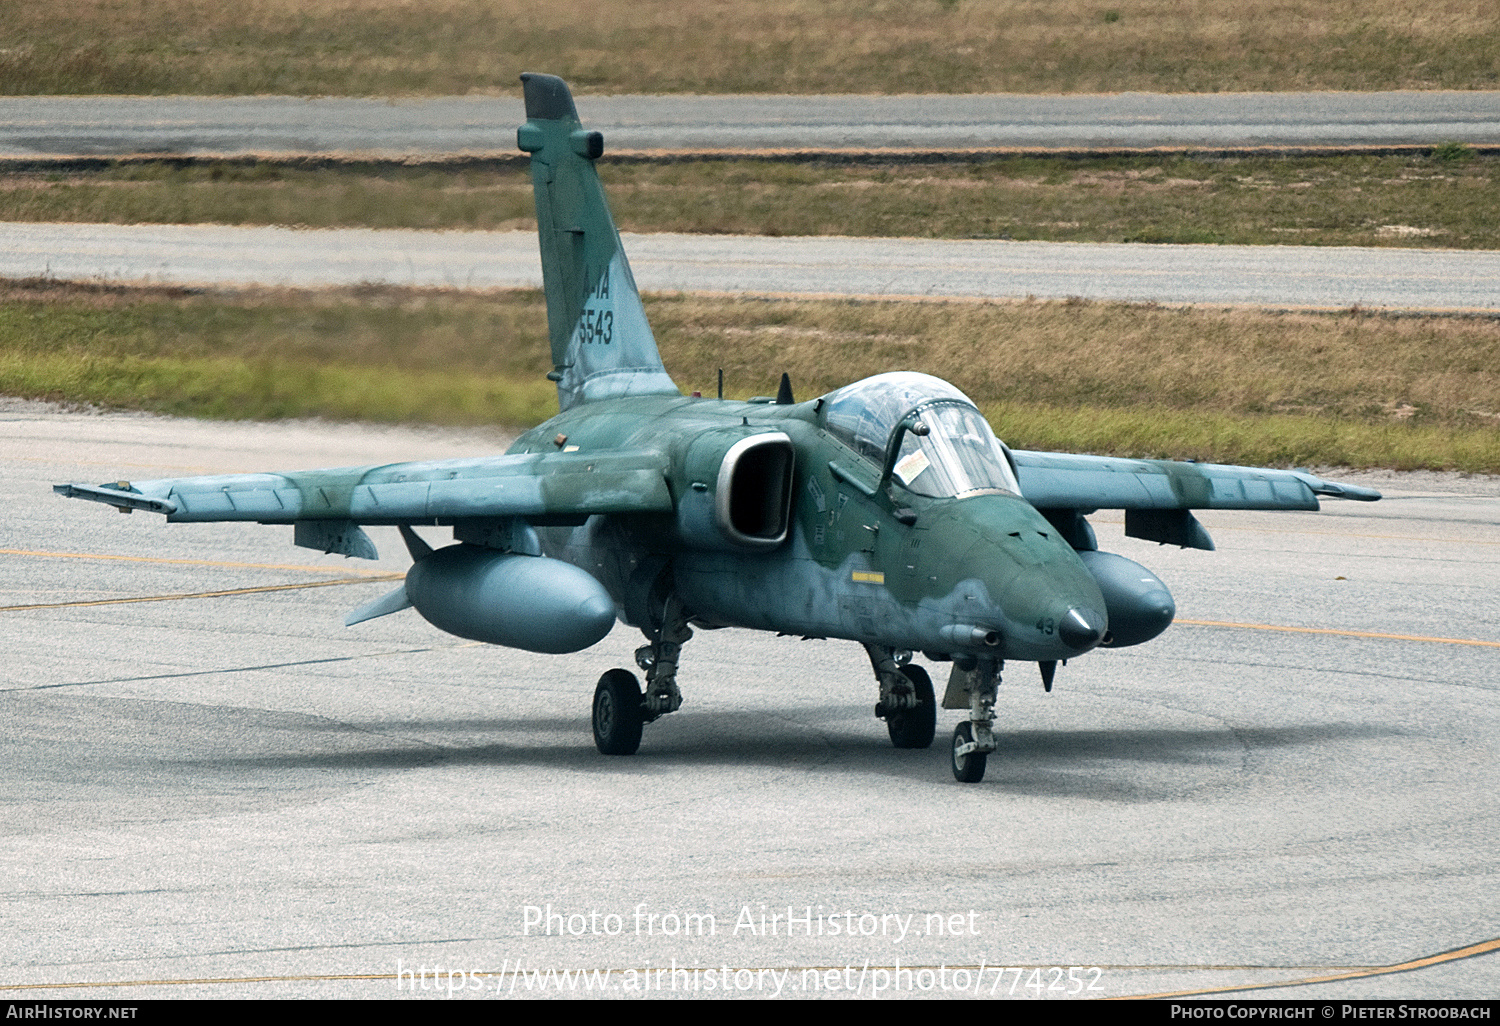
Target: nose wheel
968	762
973	740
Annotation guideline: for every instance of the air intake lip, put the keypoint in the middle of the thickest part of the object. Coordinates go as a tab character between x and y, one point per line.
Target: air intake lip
752	503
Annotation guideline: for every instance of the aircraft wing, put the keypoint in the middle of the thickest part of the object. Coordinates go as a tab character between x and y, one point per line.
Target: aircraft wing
1156	495
1052	480
532	485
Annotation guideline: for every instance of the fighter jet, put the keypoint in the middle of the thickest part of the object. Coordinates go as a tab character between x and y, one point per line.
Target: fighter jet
885	513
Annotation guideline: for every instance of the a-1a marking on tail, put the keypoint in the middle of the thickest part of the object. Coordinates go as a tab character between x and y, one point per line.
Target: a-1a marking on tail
884	513
597	323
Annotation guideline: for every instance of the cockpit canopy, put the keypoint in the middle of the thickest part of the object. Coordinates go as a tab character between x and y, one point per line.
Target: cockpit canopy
959	455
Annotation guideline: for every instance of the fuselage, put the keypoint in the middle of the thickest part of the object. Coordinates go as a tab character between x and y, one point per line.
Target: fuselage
974	574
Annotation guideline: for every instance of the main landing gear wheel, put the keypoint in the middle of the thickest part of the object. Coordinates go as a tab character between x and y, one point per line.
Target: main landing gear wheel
914	728
967	769
617	713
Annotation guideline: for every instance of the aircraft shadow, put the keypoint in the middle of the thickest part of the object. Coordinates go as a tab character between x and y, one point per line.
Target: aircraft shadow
1129	764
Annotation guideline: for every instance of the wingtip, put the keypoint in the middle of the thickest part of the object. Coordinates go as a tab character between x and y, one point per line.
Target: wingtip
1337	489
116	497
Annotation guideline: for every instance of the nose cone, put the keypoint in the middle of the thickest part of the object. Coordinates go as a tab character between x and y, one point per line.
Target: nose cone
1082	629
1020	592
1053	611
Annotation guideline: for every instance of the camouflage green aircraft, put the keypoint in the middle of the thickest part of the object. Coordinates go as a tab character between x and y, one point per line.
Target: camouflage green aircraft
885	513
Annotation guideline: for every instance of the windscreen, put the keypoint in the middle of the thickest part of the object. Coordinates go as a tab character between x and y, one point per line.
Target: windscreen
957	456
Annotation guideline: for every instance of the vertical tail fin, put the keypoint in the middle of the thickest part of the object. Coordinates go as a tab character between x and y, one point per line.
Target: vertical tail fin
602	347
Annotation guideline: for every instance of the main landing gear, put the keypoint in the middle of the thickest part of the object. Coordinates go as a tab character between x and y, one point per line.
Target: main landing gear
907	703
617	713
620	710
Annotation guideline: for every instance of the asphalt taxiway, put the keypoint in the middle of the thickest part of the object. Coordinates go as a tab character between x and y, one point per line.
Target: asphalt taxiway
1319	277
70	126
212	788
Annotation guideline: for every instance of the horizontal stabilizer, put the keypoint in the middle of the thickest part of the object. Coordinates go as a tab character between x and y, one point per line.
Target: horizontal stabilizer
392	602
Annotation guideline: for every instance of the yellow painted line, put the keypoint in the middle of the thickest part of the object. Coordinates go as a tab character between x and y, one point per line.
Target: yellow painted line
1362	972
199	594
1482	948
1422	539
186	983
519	973
196	562
868	577
1343	634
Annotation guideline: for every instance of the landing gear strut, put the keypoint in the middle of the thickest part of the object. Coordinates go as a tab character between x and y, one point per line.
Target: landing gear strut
620	710
659	660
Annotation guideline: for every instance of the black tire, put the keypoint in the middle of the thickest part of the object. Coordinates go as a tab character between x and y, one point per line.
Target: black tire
915	728
617	713
967	769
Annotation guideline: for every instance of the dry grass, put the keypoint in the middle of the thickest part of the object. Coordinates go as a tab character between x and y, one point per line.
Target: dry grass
167	192
1356	367
1351	200
1233	386
1369	201
390	47
389	355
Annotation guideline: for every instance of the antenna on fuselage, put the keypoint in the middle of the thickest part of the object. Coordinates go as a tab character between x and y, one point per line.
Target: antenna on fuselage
784	393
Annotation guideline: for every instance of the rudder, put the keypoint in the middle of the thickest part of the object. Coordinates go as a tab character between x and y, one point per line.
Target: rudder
602	347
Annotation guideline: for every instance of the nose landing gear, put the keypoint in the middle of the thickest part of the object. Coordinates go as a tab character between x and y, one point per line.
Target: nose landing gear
968	761
972	739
